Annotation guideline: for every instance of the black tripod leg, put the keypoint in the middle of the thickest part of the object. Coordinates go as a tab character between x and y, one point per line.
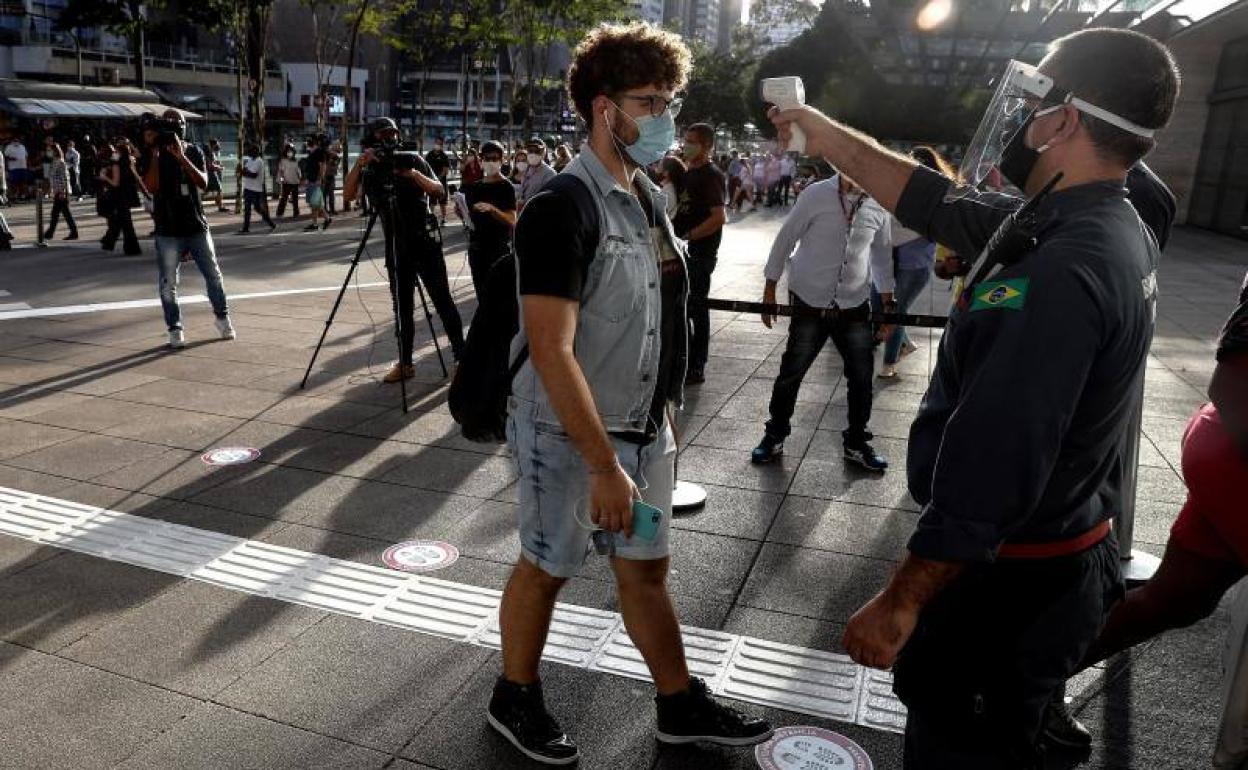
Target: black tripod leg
429	320
392	276
359	251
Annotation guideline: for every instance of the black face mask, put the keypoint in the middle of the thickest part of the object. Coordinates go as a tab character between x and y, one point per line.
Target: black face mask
1017	160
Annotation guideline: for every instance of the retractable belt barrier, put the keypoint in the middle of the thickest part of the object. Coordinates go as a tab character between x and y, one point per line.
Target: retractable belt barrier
762	308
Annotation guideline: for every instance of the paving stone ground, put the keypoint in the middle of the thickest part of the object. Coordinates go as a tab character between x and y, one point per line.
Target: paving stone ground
108	665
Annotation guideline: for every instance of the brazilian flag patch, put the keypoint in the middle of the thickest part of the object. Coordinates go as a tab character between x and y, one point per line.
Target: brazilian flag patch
1009	294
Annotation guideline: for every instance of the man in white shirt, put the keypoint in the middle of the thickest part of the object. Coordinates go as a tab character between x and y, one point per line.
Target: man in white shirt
253	189
841	237
19	175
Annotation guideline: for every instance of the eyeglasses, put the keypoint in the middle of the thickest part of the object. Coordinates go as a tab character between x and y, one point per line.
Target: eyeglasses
657	105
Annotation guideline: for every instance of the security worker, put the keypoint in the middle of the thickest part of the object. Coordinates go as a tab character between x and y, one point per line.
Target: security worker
417	253
1016	454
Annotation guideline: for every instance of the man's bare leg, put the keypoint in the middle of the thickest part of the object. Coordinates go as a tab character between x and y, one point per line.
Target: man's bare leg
524	619
651	621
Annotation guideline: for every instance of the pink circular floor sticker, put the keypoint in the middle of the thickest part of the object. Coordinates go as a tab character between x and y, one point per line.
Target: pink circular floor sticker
811	748
420	555
230	455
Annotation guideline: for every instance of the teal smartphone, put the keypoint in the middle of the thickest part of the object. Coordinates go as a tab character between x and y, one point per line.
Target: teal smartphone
646	519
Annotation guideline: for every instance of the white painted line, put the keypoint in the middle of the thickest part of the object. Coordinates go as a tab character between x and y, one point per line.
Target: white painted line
185	299
4	293
753	670
10	306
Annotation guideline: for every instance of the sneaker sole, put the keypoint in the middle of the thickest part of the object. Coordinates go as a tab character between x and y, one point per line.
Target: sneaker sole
758	461
676	740
503	731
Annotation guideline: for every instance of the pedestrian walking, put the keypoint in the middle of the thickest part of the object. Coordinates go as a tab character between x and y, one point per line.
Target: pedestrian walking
593	450
333	160
58	181
73	164
212	161
314	173
288	178
122	180
254	199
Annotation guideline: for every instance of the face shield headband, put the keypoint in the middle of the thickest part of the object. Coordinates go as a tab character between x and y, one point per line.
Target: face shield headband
1022	94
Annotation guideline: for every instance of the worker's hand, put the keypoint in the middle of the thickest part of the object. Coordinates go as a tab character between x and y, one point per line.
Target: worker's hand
879	630
769	298
884	332
483	207
366	157
817	127
175	149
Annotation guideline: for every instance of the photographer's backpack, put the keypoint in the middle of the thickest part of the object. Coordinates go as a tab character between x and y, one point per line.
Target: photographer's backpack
482	381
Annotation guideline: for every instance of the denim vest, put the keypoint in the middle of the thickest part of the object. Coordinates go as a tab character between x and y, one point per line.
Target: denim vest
617	342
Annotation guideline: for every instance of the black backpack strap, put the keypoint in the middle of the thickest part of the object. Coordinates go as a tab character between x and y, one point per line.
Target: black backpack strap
590	218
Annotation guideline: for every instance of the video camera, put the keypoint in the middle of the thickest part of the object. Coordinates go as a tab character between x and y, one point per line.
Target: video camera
167	130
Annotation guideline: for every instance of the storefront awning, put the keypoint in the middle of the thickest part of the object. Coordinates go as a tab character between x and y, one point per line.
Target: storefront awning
74	108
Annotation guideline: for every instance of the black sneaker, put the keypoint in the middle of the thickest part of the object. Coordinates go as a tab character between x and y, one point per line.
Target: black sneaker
768	450
519	713
695	377
1061	728
863	454
693	715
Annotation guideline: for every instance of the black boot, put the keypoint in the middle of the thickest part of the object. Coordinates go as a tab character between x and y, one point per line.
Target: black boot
518	713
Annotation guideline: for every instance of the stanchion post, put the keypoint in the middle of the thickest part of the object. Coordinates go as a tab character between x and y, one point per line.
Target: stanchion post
1137	566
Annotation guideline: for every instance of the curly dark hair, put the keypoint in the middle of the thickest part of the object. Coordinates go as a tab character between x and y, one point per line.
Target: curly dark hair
616	57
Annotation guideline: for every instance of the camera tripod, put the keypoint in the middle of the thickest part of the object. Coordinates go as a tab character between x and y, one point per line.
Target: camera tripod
391	277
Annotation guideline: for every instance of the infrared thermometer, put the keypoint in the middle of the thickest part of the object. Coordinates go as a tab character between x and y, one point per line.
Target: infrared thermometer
787	93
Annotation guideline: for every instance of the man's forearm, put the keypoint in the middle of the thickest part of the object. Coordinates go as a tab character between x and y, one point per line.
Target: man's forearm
709	227
917	581
573	403
881	172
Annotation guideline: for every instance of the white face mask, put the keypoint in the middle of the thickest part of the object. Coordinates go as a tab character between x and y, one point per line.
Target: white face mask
491	167
535	158
522	164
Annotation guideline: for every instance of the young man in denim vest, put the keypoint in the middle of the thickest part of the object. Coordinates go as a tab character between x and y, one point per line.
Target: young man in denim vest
603	321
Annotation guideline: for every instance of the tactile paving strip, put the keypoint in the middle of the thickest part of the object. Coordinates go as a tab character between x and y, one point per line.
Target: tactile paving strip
740	667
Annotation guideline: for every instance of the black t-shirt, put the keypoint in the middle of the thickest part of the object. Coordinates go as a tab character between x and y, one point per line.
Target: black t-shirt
702	189
312	165
210	158
439	162
411	201
554	248
489	234
1234	338
176	207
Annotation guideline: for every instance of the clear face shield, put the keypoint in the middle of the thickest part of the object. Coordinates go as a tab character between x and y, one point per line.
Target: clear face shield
1019	94
999	147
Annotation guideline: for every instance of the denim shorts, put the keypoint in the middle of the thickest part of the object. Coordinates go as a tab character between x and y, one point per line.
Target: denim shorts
553	514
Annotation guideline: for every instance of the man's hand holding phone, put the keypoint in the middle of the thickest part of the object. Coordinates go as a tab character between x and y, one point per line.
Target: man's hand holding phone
611	496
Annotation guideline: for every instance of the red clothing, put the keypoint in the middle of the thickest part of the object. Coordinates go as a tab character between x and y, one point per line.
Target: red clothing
1214	520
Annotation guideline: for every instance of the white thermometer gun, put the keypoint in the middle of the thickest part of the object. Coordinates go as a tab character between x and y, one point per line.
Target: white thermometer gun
787	93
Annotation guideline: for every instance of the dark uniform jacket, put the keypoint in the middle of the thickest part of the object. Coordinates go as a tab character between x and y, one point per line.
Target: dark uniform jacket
1020	434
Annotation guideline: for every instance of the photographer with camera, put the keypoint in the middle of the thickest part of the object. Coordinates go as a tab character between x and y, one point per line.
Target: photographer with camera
399	186
174	172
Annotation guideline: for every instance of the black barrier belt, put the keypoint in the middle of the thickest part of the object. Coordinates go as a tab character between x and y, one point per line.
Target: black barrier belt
762	308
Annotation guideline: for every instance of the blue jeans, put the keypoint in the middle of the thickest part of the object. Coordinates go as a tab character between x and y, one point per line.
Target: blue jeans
169	250
910	284
851	332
